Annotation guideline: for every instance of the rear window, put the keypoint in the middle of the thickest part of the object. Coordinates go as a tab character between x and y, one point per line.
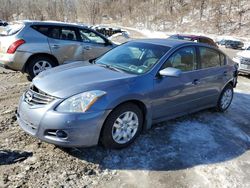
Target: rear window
206	41
41	29
55	32
223	59
11	29
209	58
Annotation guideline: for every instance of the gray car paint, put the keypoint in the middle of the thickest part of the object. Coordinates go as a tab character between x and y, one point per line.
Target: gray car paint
163	97
64	51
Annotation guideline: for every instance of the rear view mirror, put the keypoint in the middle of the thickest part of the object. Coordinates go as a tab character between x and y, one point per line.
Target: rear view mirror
170	71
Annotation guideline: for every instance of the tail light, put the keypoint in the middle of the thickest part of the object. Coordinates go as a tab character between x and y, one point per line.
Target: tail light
14	46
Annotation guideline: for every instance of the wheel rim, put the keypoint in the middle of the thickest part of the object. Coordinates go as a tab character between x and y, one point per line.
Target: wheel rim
41	66
226	98
125	127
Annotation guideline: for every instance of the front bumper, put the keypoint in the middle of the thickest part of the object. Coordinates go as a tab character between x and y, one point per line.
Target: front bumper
246	71
242	68
82	129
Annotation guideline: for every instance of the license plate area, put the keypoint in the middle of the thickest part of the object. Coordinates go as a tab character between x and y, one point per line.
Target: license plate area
244	66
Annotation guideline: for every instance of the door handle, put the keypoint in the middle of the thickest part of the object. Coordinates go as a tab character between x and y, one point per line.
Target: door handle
55	46
225	73
87	48
196	82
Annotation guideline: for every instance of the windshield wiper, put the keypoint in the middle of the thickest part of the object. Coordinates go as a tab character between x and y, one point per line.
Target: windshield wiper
110	67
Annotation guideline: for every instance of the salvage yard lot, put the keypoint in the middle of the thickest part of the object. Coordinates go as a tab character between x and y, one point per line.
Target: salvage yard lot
205	149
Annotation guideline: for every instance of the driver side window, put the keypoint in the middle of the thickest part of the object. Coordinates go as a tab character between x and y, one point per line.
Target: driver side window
183	59
91	37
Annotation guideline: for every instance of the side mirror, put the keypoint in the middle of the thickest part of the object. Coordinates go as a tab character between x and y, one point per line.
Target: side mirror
171	72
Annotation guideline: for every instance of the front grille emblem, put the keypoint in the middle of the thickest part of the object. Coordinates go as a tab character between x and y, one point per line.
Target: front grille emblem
35	96
29	96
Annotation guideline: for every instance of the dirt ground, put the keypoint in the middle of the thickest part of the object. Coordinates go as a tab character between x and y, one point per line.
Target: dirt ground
206	149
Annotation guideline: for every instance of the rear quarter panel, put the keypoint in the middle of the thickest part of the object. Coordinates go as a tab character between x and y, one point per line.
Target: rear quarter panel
35	42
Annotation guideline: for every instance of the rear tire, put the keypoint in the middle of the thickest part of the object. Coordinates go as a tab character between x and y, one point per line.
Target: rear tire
225	99
122	126
38	64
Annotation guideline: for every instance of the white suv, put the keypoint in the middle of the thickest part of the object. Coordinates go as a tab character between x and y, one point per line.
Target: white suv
243	60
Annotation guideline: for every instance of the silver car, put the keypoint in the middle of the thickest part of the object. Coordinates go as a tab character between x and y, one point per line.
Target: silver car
243	61
32	46
124	91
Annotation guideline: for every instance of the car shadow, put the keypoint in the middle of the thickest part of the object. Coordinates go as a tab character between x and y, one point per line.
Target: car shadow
9	157
245	75
206	137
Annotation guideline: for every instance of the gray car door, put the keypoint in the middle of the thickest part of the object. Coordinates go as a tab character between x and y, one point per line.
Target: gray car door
213	75
64	44
173	96
93	45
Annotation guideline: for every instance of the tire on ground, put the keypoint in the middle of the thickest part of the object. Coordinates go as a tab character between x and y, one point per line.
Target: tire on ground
106	135
31	63
219	106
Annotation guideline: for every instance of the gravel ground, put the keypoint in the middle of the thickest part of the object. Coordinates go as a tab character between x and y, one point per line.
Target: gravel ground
206	149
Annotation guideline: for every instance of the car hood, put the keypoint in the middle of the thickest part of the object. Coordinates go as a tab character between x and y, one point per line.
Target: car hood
245	54
67	80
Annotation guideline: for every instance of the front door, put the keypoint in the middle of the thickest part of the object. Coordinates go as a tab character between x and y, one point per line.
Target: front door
173	96
93	45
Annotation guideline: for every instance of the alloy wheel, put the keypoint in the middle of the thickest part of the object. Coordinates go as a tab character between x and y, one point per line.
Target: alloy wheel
226	98
125	127
41	66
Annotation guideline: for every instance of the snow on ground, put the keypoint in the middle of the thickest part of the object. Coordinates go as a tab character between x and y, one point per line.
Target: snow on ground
206	149
145	33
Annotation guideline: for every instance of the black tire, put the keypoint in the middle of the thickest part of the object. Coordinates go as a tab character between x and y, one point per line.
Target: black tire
106	136
36	59
219	106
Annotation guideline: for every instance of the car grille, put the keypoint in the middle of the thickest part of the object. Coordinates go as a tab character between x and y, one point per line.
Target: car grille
245	61
34	96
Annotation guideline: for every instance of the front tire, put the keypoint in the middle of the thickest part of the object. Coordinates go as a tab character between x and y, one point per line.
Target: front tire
225	99
122	126
38	64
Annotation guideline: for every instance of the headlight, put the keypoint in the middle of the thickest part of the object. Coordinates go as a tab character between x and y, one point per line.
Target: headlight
80	102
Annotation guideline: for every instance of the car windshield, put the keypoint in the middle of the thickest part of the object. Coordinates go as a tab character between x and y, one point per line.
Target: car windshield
133	57
11	29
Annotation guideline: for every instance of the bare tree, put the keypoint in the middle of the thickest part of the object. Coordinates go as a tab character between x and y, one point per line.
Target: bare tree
207	15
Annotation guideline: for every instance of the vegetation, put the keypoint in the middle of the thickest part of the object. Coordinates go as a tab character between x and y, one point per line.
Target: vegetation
228	16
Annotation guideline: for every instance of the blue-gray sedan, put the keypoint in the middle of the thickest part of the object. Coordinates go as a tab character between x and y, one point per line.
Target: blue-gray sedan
110	100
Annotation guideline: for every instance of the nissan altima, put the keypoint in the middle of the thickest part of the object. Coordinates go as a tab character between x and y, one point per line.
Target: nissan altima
112	99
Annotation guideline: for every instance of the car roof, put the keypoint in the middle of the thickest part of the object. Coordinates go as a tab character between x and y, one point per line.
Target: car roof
173	43
51	23
165	42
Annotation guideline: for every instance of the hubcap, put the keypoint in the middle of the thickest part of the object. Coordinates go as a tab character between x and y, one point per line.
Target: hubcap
41	66
226	98
125	127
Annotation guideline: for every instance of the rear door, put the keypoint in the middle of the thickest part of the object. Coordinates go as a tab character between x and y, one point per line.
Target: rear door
65	44
212	75
93	45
